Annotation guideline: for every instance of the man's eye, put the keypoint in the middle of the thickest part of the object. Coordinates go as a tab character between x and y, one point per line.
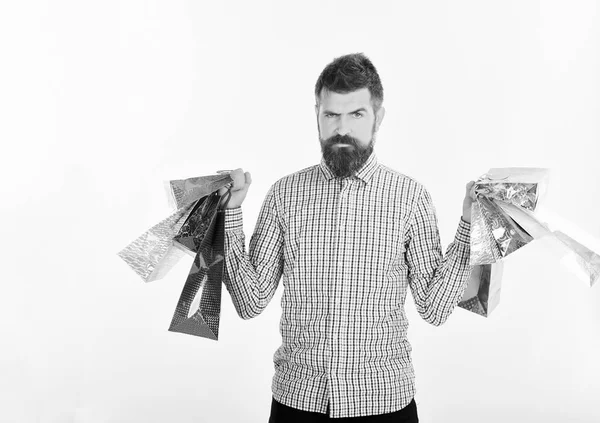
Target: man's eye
329	115
357	115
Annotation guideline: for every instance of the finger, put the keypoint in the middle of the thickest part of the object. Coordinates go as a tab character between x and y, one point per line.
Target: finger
471	190
238	179
248	178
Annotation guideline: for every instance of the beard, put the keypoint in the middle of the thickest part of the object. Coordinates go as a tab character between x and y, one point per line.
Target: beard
345	161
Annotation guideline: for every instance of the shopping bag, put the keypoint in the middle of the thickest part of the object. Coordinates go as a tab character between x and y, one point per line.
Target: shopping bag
482	294
199	306
157	250
494	233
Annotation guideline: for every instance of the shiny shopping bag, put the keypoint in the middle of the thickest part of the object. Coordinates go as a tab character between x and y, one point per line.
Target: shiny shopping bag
482	294
152	254
158	249
199	306
502	222
579	259
494	232
194	229
185	191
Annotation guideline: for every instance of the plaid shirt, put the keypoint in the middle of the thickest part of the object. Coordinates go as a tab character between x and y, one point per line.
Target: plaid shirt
348	250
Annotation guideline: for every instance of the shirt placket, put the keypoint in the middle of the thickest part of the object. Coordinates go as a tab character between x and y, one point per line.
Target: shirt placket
336	301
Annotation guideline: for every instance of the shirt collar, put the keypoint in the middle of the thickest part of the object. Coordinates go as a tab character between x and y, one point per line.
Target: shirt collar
365	173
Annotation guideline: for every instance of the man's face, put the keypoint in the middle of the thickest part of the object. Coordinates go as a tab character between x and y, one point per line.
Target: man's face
347	126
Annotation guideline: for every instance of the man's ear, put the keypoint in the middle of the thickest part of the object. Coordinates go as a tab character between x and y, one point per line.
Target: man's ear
317	110
379	117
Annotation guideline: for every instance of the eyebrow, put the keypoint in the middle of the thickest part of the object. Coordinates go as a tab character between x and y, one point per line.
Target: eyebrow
361	109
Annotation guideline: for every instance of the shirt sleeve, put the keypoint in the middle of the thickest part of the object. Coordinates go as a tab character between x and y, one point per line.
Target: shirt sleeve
437	282
252	278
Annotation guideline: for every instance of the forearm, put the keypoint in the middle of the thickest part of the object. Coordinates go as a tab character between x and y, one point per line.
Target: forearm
251	278
439	292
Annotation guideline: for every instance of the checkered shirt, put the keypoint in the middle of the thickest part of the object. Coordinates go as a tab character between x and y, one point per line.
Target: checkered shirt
348	250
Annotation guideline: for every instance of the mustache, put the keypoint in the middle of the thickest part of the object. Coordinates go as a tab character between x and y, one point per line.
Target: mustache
343	139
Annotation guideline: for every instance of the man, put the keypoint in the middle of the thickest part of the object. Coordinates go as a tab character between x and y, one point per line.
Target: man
349	236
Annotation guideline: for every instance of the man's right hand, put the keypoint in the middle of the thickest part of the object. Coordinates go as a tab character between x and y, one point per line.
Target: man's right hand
239	189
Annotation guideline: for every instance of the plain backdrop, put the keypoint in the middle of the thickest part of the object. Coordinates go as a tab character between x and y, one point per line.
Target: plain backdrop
100	102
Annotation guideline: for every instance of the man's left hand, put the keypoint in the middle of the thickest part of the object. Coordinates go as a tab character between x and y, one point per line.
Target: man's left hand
468	201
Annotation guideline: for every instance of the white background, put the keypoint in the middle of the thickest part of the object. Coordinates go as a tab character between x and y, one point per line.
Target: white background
102	101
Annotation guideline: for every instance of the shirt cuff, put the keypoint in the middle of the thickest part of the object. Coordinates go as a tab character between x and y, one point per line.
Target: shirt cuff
463	234
233	219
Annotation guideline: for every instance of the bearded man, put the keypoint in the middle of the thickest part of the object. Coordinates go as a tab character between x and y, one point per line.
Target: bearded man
348	238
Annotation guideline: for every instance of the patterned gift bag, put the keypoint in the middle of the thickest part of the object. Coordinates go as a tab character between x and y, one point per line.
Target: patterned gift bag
199	306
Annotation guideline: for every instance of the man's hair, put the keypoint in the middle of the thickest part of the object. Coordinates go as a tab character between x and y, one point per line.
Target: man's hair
350	73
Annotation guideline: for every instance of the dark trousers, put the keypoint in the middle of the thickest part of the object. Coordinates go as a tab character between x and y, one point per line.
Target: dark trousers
283	414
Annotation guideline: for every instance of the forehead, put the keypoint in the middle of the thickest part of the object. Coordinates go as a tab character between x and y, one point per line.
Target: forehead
342	102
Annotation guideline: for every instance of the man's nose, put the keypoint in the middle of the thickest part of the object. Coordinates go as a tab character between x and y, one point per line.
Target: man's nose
343	128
